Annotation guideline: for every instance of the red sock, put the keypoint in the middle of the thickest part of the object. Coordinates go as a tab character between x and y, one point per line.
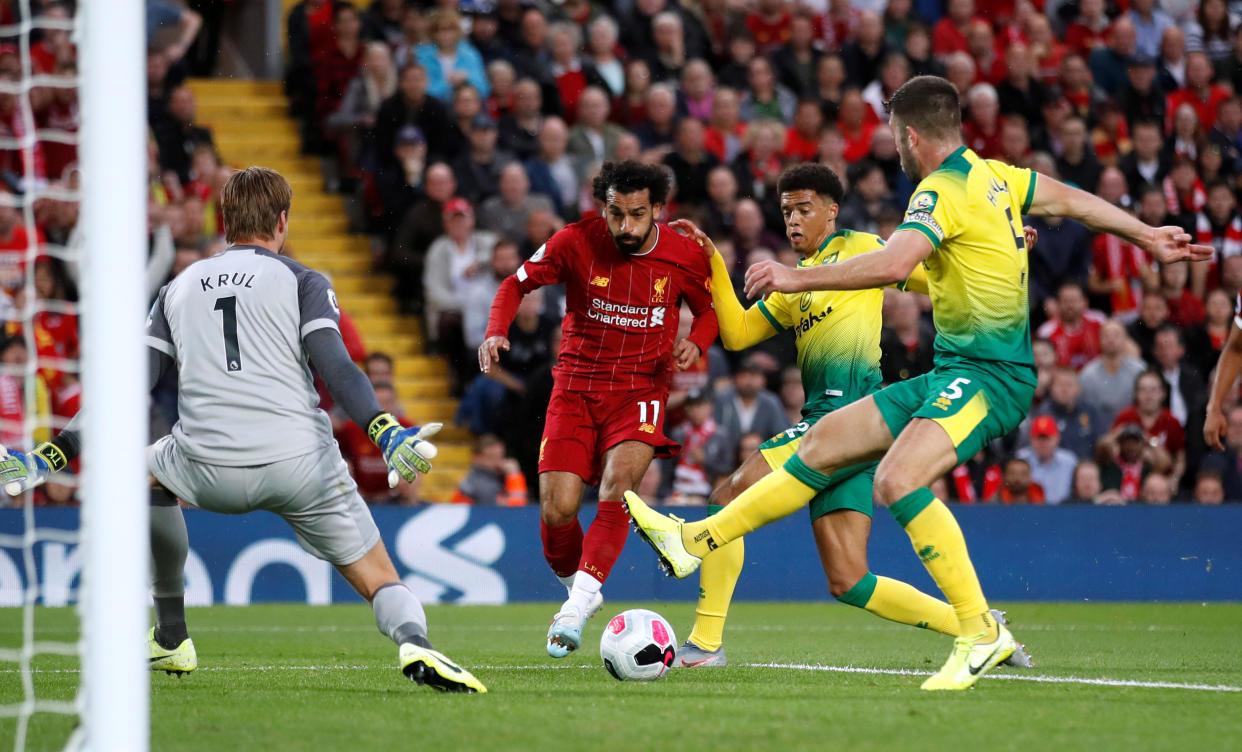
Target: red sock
604	539
562	546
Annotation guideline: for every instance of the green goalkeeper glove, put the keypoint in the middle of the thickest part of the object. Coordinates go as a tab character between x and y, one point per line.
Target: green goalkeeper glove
20	472
406	450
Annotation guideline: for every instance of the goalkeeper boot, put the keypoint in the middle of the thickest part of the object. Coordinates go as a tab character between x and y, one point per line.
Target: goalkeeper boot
663	533
431	668
1020	658
971	659
565	632
693	656
179	660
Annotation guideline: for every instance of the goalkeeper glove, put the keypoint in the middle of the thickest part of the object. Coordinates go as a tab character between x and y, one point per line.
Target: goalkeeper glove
406	450
20	472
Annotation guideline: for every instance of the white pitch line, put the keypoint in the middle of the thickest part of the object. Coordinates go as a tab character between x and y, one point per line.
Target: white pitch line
1038	678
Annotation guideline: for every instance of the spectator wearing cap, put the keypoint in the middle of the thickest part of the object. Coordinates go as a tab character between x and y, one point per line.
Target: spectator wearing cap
747	406
593	138
1017	486
1050	466
1108	64
400	178
508	212
1078	423
1149	25
478	170
450	60
452	260
1129	459
1108	380
411	106
1148	164
1227	464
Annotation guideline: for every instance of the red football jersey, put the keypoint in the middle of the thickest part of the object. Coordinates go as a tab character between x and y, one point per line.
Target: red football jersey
621	311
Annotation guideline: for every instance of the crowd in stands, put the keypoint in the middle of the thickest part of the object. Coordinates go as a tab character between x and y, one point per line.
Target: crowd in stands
469	132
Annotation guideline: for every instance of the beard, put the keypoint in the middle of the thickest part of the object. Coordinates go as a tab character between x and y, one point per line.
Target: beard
629	244
909	164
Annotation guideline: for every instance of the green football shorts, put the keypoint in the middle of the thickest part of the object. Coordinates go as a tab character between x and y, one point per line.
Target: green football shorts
850	488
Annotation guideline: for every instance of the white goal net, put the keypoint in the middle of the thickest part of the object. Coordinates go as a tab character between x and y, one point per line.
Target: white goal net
73	215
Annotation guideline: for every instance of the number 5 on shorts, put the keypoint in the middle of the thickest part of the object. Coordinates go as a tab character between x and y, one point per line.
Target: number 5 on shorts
954	390
655	412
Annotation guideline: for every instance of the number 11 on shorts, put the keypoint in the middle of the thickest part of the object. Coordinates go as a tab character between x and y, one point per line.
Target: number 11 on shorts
655	412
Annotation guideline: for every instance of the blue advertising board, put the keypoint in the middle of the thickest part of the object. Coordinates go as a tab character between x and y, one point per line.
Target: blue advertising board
458	554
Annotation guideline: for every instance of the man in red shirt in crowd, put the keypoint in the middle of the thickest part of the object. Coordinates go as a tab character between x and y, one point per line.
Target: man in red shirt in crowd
1075	332
1156	421
949	33
769	23
625	277
1199	92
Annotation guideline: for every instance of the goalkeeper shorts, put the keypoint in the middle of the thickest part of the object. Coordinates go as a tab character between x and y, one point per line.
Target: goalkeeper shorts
314	493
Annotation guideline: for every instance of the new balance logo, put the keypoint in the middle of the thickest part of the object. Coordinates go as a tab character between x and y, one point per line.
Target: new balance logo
599	281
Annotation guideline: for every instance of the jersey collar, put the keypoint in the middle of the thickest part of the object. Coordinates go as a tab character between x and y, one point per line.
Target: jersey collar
958	153
827	242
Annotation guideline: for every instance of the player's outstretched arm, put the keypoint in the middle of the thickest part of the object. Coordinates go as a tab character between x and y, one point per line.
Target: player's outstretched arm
1227	368
1167	244
739	328
406	450
891	264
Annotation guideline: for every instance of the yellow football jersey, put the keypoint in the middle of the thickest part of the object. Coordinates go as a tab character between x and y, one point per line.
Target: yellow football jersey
837	332
971	210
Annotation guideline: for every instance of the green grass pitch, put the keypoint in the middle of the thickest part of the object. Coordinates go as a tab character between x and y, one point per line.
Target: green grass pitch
299	677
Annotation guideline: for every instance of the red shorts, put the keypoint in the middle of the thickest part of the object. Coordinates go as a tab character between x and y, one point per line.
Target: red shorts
581	426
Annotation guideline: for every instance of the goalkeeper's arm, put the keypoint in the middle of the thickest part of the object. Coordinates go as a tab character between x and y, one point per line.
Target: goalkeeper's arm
20	471
405	449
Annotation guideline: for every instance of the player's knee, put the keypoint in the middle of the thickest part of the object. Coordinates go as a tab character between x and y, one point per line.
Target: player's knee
841	582
557	513
889	488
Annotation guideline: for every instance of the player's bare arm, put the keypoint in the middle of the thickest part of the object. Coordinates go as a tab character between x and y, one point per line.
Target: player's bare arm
891	264
1167	244
1227	369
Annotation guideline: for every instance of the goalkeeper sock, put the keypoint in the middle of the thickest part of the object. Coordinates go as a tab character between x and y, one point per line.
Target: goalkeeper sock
896	601
939	543
399	615
779	494
562	546
604	540
717	579
169	547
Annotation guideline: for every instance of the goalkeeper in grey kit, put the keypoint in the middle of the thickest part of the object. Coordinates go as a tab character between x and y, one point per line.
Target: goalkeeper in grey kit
242	328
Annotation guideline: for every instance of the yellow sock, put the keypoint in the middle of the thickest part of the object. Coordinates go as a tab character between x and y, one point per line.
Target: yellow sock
779	494
717	578
939	543
897	601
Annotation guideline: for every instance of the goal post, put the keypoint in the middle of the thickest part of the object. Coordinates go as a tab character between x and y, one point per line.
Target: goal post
115	494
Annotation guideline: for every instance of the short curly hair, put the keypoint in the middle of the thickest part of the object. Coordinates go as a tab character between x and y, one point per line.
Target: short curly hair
811	176
630	177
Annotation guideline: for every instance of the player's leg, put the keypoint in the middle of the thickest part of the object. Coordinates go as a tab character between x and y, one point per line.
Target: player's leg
315	494
719	573
855	433
560	497
842	526
170	646
399	615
